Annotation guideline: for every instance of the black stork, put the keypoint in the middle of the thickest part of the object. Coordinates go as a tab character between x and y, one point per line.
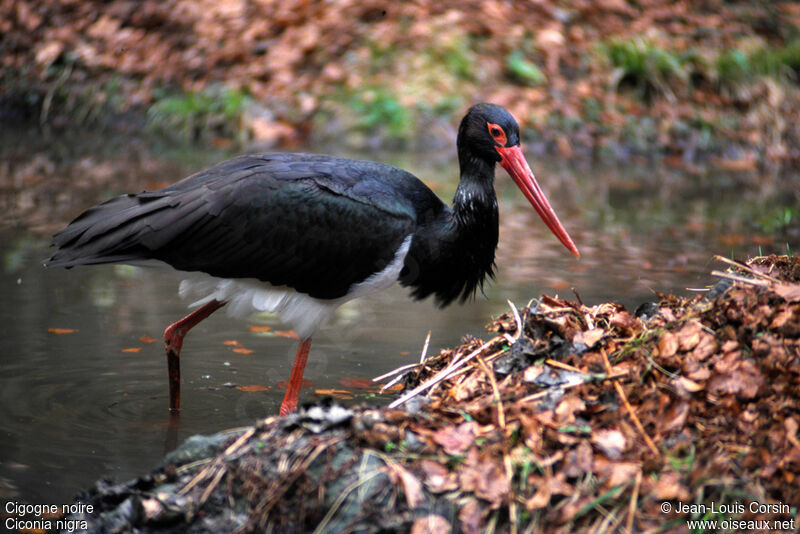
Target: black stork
300	234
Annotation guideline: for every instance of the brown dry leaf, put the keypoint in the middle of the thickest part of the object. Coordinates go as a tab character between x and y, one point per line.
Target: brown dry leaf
675	418
286	333
147	339
259	328
242	350
689	335
578	461
253	388
743	380
335	393
613	473
62	330
412	487
471	517
546	487
456	439
669	487
667	345
589	337
611	442
565	411
48	53
705	347
357	383
788	292
438	478
231	343
132	349
431	524
484	476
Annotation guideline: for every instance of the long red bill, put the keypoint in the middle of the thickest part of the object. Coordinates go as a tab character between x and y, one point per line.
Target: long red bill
514	162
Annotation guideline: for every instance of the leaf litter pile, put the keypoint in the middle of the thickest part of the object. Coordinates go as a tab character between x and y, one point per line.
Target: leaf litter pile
571	418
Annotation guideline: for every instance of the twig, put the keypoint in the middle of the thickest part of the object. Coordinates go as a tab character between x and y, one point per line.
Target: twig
516	319
634	502
512	505
425	348
634	417
396	371
441	375
745	267
739	278
501	414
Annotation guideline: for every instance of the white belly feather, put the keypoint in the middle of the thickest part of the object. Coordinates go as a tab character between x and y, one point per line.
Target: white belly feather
303	313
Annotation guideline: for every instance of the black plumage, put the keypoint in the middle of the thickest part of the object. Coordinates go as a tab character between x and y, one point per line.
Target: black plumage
327	227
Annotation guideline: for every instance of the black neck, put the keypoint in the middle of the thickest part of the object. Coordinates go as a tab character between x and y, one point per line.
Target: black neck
452	257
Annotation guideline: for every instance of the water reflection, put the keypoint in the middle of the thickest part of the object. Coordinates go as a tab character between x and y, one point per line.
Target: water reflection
77	406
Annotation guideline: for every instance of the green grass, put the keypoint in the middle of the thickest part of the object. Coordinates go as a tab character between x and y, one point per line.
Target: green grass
214	111
378	109
523	70
643	65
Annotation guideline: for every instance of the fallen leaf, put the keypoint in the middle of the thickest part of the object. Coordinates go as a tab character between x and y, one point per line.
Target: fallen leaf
611	442
132	349
252	388
358	383
335	393
456	439
667	345
589	337
412	487
431	524
471	517
231	343
286	333
788	292
438	478
259	328
485	477
61	330
242	350
146	339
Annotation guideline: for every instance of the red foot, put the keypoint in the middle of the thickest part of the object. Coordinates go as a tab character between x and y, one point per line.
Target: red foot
289	403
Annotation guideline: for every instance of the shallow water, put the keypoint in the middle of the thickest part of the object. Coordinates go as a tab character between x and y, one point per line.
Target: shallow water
92	402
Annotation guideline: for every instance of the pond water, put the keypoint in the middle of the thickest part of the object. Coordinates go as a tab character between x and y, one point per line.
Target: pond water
83	390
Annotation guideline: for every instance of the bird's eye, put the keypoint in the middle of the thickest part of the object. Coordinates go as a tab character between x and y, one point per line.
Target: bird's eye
497	134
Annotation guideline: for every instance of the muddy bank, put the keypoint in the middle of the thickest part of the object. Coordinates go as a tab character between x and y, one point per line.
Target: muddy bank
568	418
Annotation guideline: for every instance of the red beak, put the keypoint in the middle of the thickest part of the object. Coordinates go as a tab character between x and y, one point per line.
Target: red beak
514	162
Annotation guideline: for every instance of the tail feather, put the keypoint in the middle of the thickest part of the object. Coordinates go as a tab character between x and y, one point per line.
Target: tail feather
125	228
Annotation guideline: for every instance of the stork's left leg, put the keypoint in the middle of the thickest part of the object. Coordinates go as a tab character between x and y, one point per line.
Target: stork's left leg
289	403
173	339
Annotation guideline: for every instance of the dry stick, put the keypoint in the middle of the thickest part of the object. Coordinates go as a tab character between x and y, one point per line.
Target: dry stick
441	375
517	319
501	414
425	348
512	505
634	501
742	279
634	417
202	474
745	267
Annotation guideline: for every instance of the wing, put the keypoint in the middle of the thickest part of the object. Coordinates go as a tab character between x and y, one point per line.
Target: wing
314	223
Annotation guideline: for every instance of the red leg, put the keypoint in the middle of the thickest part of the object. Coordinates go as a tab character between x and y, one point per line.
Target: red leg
289	403
173	339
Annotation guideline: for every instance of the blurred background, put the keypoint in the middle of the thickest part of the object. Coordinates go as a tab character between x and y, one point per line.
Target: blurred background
664	132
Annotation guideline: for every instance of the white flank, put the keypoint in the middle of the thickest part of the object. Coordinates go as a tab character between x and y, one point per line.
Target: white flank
302	313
